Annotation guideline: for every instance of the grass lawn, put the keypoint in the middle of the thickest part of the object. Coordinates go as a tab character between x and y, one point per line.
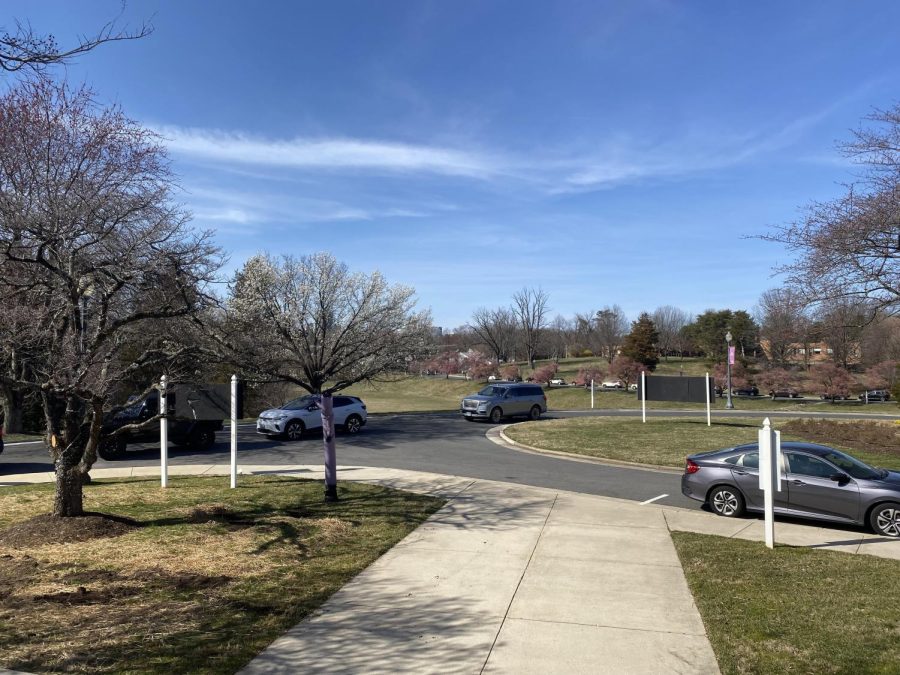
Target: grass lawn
666	442
793	610
204	582
424	394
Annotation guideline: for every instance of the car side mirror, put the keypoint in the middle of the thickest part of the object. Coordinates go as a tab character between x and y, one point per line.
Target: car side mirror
312	407
840	477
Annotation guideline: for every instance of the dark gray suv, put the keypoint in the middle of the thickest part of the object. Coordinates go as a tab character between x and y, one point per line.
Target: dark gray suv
818	482
505	399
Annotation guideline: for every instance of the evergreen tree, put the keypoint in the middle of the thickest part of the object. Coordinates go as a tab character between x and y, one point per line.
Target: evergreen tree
640	343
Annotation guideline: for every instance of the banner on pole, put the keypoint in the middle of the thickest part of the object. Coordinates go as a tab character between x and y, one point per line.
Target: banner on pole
731	355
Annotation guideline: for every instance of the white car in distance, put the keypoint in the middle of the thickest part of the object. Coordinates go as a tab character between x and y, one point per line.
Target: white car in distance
612	384
302	414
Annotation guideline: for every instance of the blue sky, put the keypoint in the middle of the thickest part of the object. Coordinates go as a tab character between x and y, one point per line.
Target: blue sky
609	152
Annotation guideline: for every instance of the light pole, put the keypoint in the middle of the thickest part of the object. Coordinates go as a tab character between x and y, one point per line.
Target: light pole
728	404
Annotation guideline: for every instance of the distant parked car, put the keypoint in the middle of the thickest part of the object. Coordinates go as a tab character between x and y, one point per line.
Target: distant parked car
836	397
875	395
784	392
294	417
744	391
497	401
558	381
612	384
633	386
818	482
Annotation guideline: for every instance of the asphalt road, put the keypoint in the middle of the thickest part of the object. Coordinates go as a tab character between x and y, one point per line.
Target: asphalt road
438	443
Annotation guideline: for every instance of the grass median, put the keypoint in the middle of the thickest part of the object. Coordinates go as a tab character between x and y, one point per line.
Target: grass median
793	610
198	577
666	442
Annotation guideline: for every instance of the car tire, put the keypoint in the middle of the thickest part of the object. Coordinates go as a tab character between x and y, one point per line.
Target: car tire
113	448
726	501
293	430
353	424
202	439
534	413
884	519
496	415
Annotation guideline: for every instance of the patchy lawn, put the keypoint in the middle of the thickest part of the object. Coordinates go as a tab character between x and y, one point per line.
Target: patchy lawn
667	441
193	578
793	610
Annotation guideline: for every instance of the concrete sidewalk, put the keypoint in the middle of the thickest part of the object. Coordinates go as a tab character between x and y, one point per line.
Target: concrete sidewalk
510	578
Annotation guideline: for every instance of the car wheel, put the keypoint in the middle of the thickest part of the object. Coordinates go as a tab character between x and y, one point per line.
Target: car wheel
726	501
294	430
885	519
112	448
203	439
353	424
496	415
534	413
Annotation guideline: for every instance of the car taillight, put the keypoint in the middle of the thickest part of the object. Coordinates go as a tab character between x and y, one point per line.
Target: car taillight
690	466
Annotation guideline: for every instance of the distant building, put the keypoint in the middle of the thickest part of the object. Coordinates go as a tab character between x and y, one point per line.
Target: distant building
437	331
811	352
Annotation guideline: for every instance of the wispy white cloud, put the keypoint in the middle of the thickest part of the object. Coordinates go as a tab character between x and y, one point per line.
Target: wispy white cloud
327	153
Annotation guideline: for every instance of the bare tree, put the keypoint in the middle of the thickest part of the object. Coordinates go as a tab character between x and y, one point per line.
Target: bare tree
669	322
781	315
531	309
839	324
558	337
24	49
93	255
850	247
312	322
497	330
611	327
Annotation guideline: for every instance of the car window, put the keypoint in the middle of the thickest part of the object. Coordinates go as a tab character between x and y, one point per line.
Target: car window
492	391
806	465
341	401
299	403
533	391
750	460
732	460
851	465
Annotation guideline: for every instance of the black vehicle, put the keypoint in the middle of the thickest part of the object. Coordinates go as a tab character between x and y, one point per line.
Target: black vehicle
875	395
199	434
744	391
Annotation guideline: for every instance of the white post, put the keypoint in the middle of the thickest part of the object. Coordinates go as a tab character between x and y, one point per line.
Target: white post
769	475
592	393
644	396
234	423
163	434
708	404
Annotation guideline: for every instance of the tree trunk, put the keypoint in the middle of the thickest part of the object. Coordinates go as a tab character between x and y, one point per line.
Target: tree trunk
12	403
68	499
330	453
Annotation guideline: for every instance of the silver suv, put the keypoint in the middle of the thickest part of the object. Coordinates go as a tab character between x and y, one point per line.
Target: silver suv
504	399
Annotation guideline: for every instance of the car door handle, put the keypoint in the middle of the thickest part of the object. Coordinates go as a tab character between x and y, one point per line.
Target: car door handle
742	473
797	482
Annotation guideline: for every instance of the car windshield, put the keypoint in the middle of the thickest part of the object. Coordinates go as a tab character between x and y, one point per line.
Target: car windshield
851	465
492	391
299	403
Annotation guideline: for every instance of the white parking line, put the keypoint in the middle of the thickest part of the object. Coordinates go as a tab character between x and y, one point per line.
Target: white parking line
650	501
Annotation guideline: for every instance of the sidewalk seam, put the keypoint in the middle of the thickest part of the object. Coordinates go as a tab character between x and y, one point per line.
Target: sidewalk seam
606	625
518	585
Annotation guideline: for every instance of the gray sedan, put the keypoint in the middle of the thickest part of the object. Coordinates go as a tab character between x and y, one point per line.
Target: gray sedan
818	482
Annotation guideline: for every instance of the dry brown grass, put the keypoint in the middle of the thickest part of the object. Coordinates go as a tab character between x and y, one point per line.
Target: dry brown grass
209	579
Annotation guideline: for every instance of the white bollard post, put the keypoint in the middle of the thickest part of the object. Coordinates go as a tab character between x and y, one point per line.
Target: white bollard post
644	396
592	394
234	422
163	433
769	475
708	404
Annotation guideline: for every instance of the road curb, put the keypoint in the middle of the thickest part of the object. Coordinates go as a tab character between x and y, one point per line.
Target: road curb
493	434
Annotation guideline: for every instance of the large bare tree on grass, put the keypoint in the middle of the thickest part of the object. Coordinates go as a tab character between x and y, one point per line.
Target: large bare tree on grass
93	254
497	330
530	306
312	322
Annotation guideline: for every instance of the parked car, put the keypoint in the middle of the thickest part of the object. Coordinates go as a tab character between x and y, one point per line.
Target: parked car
612	384
199	434
302	414
875	395
836	397
497	401
744	391
558	381
784	392
818	482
